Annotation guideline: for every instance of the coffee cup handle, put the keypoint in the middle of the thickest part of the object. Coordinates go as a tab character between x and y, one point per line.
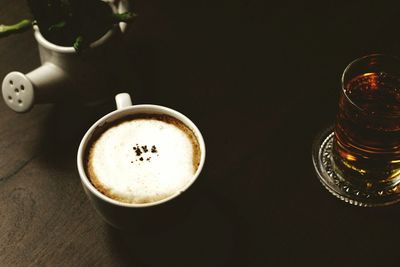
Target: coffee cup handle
123	100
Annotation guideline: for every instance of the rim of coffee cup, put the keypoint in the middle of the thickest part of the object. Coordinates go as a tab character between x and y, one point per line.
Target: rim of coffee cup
140	108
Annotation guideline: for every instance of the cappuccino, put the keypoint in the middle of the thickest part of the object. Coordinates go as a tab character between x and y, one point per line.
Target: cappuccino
143	158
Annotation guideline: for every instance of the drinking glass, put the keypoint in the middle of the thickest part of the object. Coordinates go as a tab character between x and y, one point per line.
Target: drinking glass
358	159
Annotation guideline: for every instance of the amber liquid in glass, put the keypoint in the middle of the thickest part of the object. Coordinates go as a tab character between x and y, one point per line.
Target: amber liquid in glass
366	148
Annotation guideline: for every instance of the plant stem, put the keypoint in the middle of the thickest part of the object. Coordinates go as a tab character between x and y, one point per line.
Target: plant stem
18	27
78	44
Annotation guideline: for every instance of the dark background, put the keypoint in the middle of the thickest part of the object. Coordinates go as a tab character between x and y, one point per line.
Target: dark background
260	79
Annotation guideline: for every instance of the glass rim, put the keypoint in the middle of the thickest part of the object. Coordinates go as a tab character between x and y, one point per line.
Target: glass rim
355	61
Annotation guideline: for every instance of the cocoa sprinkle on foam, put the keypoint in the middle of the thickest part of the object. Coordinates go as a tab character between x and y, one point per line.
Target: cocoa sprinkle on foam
141	150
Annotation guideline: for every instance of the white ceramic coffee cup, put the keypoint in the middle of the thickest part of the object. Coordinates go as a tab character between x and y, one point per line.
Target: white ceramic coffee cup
116	213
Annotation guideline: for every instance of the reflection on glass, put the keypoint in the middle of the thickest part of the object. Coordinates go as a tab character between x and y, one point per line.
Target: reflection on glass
360	161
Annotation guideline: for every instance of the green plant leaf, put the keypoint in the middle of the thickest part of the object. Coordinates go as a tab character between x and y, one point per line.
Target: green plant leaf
57	26
123	17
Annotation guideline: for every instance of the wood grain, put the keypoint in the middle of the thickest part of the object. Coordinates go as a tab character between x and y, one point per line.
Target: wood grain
259	79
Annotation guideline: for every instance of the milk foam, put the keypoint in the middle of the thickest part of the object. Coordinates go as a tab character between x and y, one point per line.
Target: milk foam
142	160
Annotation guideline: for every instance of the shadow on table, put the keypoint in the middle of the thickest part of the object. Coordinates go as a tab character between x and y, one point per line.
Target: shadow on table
64	129
201	235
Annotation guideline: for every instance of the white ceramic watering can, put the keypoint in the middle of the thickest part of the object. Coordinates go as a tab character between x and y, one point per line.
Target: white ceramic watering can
63	72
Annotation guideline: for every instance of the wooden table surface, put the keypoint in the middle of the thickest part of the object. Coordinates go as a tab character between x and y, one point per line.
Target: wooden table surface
260	80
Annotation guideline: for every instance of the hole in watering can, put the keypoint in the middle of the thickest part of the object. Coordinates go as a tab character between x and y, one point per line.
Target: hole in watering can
16	90
9	97
19	101
22	87
11	82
